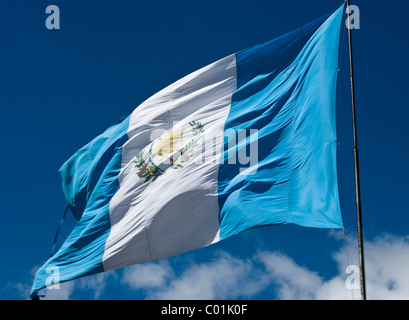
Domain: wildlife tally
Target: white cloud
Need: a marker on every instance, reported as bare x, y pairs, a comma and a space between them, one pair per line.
93, 285
147, 275
227, 277
292, 281
272, 274
386, 265
96, 283
222, 278
386, 261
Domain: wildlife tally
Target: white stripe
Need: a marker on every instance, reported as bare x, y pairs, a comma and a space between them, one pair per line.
178, 211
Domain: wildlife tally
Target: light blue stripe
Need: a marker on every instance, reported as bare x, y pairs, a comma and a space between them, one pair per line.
286, 90
89, 183
81, 172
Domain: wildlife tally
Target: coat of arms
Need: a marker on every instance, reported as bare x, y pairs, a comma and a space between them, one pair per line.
167, 152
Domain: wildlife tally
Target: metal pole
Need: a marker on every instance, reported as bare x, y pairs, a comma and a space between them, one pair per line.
356, 163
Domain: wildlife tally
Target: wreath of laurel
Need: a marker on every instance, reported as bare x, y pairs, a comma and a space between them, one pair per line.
146, 170
197, 130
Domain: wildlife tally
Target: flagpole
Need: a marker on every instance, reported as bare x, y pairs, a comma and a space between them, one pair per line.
356, 164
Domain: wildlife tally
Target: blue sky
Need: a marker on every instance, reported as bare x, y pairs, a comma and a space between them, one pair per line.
61, 88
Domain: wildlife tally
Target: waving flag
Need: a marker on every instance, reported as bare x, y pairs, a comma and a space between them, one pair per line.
244, 142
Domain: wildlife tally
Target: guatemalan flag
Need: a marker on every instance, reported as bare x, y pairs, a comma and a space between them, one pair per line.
247, 141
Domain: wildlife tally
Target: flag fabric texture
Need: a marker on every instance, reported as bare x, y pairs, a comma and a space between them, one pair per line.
247, 141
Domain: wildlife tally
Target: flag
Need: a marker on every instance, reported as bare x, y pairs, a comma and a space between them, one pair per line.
247, 141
